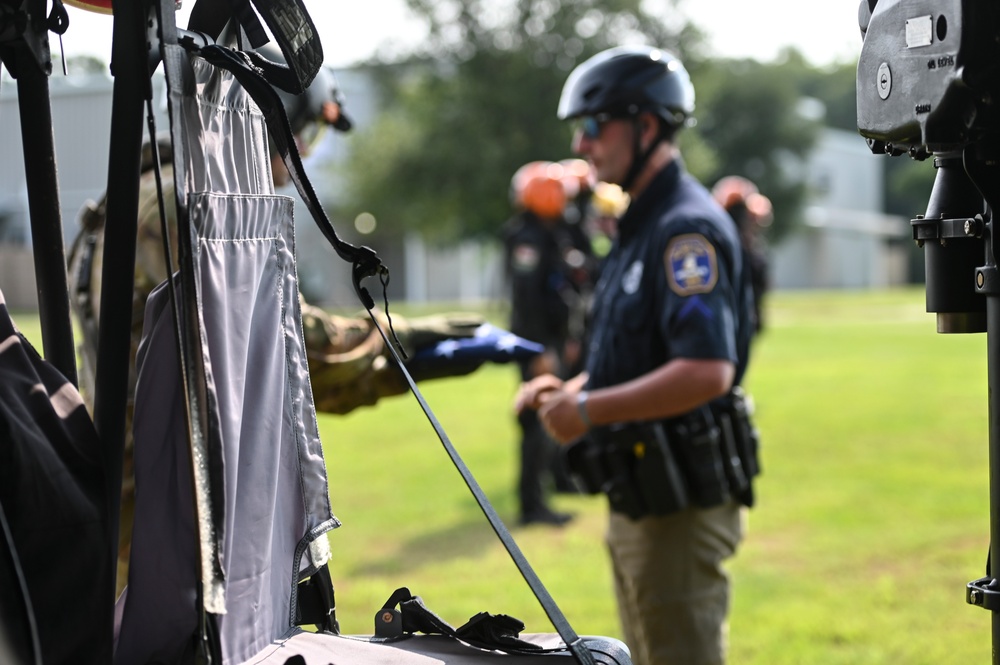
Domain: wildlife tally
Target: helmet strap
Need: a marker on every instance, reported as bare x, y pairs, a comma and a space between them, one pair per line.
639, 156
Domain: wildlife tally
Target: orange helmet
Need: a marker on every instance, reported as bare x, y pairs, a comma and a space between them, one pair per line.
759, 206
538, 187
734, 190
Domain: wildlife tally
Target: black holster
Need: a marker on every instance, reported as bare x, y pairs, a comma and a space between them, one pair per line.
734, 413
703, 458
701, 453
634, 465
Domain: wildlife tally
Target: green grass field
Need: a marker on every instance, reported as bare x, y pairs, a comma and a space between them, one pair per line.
872, 510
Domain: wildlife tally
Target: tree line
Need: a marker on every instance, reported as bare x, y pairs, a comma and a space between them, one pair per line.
478, 99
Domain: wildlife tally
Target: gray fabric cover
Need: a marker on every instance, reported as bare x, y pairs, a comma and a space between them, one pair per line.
317, 649
276, 497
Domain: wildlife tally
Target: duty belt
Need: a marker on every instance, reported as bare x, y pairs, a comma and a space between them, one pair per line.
703, 458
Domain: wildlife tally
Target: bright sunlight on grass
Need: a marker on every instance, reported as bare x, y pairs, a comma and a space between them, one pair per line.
873, 508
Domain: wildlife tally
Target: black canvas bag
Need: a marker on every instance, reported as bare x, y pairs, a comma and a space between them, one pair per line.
52, 495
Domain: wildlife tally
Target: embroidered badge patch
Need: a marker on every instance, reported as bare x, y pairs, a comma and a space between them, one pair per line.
632, 278
691, 265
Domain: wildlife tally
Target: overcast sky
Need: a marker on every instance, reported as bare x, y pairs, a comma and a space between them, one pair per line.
351, 30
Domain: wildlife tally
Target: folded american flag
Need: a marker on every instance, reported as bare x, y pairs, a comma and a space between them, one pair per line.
461, 355
488, 343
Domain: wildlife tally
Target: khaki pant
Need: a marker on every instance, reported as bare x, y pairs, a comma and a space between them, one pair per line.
672, 591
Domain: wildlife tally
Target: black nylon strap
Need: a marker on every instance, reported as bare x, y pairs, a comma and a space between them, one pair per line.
493, 632
290, 24
298, 40
244, 13
366, 264
279, 75
558, 619
365, 261
210, 17
496, 631
417, 617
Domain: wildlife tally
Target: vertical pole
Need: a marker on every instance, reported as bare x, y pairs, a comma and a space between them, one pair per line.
982, 169
993, 373
46, 222
131, 74
993, 397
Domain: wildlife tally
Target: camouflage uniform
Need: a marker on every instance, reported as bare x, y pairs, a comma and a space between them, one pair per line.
348, 362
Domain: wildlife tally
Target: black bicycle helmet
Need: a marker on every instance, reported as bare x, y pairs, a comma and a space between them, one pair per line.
626, 80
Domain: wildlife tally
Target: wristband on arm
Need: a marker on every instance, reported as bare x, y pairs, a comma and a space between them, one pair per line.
581, 407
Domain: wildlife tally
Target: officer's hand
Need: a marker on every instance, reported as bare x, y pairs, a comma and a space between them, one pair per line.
544, 363
529, 395
572, 350
560, 416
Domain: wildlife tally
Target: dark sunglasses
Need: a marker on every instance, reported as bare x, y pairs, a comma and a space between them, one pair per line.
591, 125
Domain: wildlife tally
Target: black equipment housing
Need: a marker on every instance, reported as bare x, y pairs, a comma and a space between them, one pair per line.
927, 86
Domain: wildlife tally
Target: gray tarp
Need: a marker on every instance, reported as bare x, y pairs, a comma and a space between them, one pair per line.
276, 497
318, 649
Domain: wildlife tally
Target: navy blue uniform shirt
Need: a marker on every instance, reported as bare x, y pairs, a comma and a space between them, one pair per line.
673, 285
550, 267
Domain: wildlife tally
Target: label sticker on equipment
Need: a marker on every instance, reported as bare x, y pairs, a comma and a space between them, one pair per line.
919, 31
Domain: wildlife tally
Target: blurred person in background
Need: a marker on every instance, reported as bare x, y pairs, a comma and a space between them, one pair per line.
548, 265
752, 213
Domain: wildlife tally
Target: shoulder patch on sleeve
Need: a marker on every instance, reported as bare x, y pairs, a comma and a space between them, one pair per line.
691, 264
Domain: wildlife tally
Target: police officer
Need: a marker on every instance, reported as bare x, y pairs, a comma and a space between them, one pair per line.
668, 347
349, 364
548, 263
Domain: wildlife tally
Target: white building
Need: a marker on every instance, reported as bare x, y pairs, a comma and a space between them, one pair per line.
81, 126
845, 242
